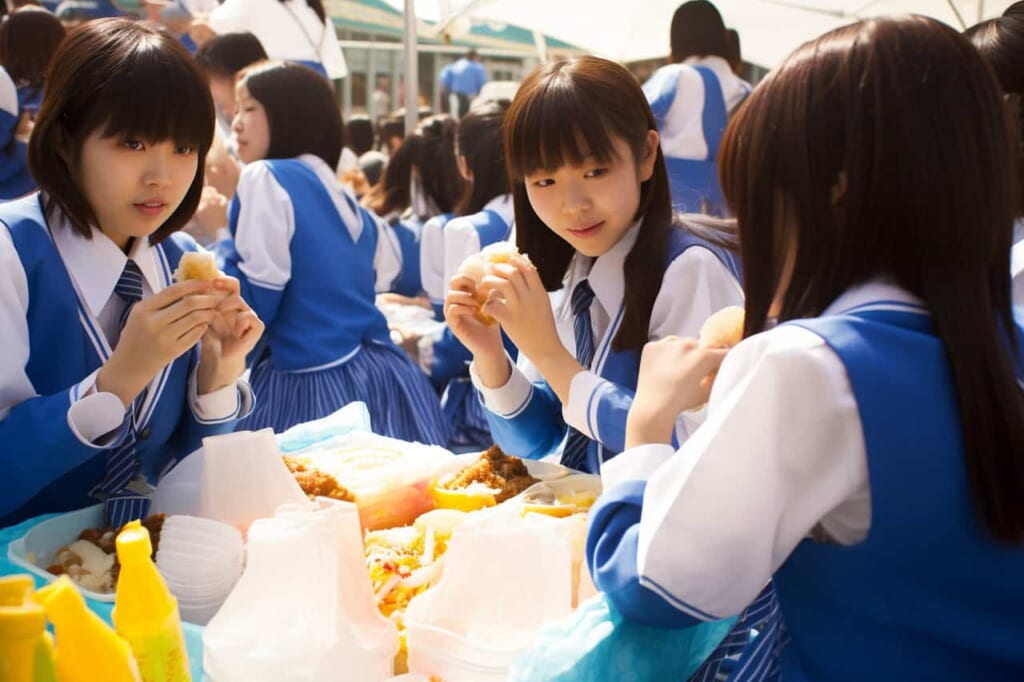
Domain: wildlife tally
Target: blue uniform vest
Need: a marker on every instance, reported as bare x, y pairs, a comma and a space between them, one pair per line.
63, 354
927, 595
326, 310
694, 182
538, 429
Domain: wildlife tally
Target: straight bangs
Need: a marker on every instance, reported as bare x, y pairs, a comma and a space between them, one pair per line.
140, 104
562, 125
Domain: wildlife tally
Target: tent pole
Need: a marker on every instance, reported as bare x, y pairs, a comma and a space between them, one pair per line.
412, 71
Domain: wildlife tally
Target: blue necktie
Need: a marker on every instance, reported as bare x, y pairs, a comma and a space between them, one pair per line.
120, 504
574, 455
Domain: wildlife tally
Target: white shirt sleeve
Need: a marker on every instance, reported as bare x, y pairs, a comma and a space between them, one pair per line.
781, 452
388, 257
461, 241
432, 260
331, 55
266, 224
228, 18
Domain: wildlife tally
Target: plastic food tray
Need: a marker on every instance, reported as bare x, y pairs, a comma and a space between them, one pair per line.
41, 542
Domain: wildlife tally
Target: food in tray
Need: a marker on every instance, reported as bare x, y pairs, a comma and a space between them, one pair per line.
563, 497
491, 479
91, 560
387, 479
479, 265
317, 483
197, 265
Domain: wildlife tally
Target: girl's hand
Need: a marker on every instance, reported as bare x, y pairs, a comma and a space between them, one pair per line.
231, 336
212, 212
482, 340
675, 376
158, 331
520, 304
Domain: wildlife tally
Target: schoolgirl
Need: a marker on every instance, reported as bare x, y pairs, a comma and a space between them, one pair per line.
111, 372
593, 213
691, 99
310, 260
484, 216
866, 454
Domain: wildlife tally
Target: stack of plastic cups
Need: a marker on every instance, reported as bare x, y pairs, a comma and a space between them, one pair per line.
201, 561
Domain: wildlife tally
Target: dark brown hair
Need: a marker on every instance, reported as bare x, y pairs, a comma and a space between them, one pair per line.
479, 140
698, 31
118, 77
391, 194
1001, 42
302, 113
223, 56
433, 156
28, 41
869, 109
564, 112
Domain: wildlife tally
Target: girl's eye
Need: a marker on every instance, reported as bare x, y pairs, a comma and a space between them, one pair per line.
543, 182
134, 145
184, 149
596, 173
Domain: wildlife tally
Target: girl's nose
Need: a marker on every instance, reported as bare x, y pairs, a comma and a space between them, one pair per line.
575, 199
157, 170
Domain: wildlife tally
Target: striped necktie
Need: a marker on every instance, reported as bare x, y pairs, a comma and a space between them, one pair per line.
121, 505
574, 454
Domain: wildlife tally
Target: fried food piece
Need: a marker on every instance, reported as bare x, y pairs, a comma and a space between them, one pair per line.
496, 470
316, 483
197, 265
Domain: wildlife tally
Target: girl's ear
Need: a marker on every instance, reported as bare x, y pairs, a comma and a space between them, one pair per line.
650, 155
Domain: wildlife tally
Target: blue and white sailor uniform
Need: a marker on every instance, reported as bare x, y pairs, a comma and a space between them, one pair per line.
432, 269
310, 261
691, 102
442, 356
61, 318
864, 517
405, 236
15, 180
525, 415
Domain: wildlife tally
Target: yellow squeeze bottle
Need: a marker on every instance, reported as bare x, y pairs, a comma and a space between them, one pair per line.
26, 648
145, 611
87, 649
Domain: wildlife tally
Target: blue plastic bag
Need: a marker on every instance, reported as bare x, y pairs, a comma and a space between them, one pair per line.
352, 417
597, 644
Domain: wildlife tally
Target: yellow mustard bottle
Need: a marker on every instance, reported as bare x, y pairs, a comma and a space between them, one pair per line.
87, 648
145, 611
22, 627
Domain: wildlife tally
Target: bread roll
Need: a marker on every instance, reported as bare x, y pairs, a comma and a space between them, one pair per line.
724, 329
197, 265
479, 265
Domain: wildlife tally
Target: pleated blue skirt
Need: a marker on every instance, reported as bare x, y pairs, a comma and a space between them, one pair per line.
400, 399
465, 416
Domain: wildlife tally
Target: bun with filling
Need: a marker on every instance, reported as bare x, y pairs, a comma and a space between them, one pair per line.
197, 265
479, 265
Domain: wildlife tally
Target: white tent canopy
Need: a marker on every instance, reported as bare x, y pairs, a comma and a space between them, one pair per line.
630, 30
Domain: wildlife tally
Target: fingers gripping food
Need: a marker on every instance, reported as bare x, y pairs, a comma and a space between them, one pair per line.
197, 265
479, 265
